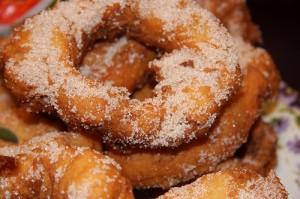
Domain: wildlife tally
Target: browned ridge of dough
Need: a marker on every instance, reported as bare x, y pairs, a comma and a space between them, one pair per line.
230, 184
258, 154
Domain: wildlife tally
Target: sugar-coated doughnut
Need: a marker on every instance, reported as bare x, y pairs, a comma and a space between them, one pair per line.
196, 76
51, 166
165, 168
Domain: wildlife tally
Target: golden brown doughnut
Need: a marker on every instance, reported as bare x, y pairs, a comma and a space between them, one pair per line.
50, 166
165, 168
231, 184
196, 77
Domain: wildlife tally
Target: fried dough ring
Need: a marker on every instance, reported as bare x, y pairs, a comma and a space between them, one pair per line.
196, 78
230, 184
51, 166
259, 153
165, 168
116, 57
236, 17
121, 63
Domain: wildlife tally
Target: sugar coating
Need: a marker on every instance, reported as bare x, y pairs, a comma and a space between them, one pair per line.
53, 156
261, 187
236, 17
103, 59
247, 52
233, 184
48, 70
95, 71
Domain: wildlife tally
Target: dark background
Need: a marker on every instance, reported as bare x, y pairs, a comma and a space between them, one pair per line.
279, 21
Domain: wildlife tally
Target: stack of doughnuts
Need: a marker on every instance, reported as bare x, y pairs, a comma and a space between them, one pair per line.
138, 94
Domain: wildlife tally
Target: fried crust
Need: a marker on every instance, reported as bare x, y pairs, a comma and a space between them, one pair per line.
233, 184
52, 166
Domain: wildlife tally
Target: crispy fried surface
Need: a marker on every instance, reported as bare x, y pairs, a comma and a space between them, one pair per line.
230, 184
258, 154
52, 166
16, 118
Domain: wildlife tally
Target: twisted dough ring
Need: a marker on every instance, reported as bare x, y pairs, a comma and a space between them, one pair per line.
196, 77
163, 168
54, 166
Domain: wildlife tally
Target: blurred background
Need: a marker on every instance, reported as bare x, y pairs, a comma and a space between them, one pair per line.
279, 21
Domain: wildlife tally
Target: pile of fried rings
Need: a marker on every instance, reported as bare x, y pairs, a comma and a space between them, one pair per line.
110, 96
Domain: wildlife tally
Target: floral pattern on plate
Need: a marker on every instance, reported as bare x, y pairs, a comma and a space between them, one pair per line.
286, 121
